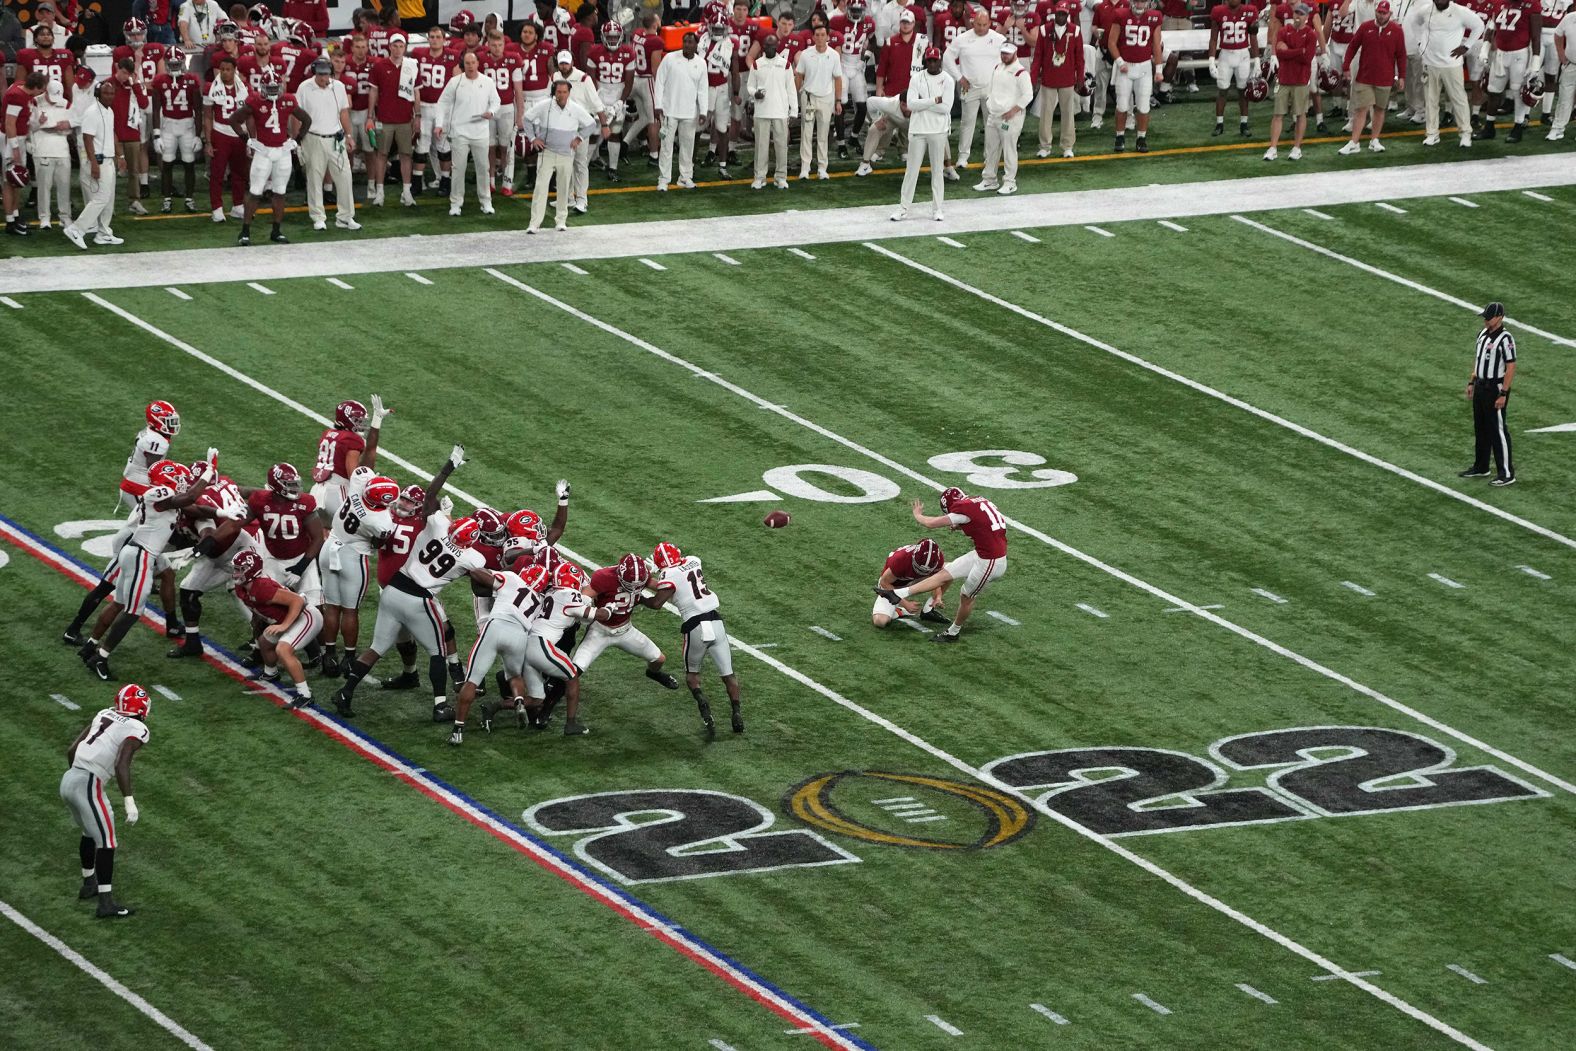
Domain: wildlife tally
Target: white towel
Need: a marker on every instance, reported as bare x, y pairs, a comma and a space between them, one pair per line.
407, 79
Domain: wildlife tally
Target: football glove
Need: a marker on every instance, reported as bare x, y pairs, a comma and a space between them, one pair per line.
457, 457
233, 514
446, 505
562, 489
131, 810
378, 411
1214, 68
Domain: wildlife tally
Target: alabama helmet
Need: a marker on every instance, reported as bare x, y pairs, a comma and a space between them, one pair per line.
351, 416
301, 34
380, 493
462, 18
951, 495
927, 556
856, 10
1330, 80
135, 30
1532, 91
271, 83
18, 175
464, 531
284, 480
411, 498
632, 572
666, 556
490, 524
247, 566
204, 472
1257, 89
163, 418
536, 578
612, 33
134, 701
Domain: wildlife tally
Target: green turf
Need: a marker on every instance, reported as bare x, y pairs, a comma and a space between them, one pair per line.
293, 892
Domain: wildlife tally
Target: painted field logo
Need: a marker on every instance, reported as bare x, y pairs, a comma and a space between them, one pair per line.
909, 810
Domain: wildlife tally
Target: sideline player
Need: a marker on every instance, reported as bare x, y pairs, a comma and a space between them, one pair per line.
978, 519
682, 583
617, 589
904, 567
104, 749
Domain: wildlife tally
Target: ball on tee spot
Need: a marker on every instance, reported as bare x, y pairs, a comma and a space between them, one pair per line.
776, 520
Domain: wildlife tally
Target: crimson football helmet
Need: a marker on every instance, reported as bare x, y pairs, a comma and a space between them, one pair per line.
260, 14
227, 30
462, 18
927, 556
632, 572
524, 145
247, 566
301, 34
490, 524
163, 418
381, 493
1330, 80
666, 556
135, 30
203, 472
612, 33
1532, 91
17, 175
856, 11
284, 480
536, 578
522, 522
351, 416
411, 498
716, 13
568, 575
134, 701
951, 495
271, 83
464, 531
1257, 89
172, 475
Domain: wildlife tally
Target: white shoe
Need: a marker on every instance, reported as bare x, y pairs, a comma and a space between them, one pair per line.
1271, 153
346, 224
579, 207
238, 212
407, 199
218, 215
963, 164
936, 215
758, 184
1295, 154
44, 225
1067, 153
136, 208
1007, 189
1349, 149
75, 237
951, 174
533, 229
1466, 141
377, 198
1431, 140
662, 187
454, 209
1418, 118
1095, 121
686, 184
1348, 125
488, 209
899, 215
105, 237
822, 174
804, 172
191, 205
1043, 151
781, 184
984, 186
1375, 146
1555, 136
861, 171
320, 224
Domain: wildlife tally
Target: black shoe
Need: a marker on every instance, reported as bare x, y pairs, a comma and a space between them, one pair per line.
612, 175
663, 679
704, 707
944, 636
1220, 129
297, 701
86, 651
1143, 144
342, 704
738, 719
1244, 130
330, 197
1487, 131
651, 162
405, 680
1477, 121
1323, 128
174, 629
110, 910
1504, 481
331, 665
71, 636
417, 187
575, 728
89, 889
930, 616
1474, 472
444, 185
251, 657
191, 647
244, 240
1546, 120
1121, 144
842, 151
1516, 133
278, 238
888, 594
443, 713
99, 666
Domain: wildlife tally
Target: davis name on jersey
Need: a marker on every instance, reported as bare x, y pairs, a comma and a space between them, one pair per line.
435, 558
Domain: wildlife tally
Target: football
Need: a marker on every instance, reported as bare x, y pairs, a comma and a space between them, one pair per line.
776, 520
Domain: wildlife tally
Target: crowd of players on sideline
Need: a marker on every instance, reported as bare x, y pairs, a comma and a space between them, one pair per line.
229, 93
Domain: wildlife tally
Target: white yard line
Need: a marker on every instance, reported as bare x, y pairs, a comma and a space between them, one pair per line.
258, 287
1279, 421
1048, 1013
1534, 573
1003, 618
721, 1045
1028, 530
1157, 1008
1463, 202
1562, 960
573, 269
910, 622
166, 692
98, 974
1536, 196
1317, 214
1190, 609
8, 301
1093, 612
418, 278
1357, 588
825, 634
802, 254
1269, 595
1265, 997
1098, 230
1331, 977
943, 1025
1387, 206
1398, 279
178, 294
722, 258
731, 233
1468, 975
1020, 235
337, 283
951, 243
1446, 581
652, 263
65, 702
1169, 225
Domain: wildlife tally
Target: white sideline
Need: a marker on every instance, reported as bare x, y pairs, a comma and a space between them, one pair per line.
1331, 969
1397, 278
1234, 402
98, 974
731, 233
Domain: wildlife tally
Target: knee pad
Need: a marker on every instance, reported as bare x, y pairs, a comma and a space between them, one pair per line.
191, 606
444, 155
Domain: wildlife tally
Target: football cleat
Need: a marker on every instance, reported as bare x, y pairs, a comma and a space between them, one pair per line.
443, 713
704, 707
575, 728
945, 636
331, 665
89, 889
737, 718
930, 616
71, 636
111, 910
663, 679
342, 704
457, 737
191, 647
1474, 472
284, 480
405, 680
888, 594
99, 666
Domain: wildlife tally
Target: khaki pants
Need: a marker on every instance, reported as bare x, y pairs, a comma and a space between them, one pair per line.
682, 129
98, 199
1002, 146
886, 120
473, 153
320, 155
550, 165
935, 144
1066, 99
973, 106
580, 181
1567, 96
1448, 81
54, 187
815, 125
771, 133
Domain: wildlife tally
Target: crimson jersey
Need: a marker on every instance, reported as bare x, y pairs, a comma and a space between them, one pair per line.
648, 51
273, 117
261, 597
176, 98
362, 72
282, 522
608, 65
1234, 26
901, 563
1513, 25
721, 59
395, 548
58, 65
149, 59
1020, 28
226, 99
1342, 27
604, 582
503, 69
251, 69
1135, 38
18, 103
333, 453
794, 44
296, 61
536, 69
377, 41
984, 524
432, 74
949, 29
858, 37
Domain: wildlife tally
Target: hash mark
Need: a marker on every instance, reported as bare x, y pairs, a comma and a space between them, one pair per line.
911, 805
1536, 196
720, 1045
8, 301
802, 254
949, 242
65, 702
1562, 960
825, 634
166, 692
1446, 581
1468, 975
1317, 214
721, 258
1159, 1009
178, 294
1169, 225
1348, 974
337, 283
1534, 573
264, 289
418, 278
573, 269
1463, 202
1020, 235
766, 645
1269, 595
1093, 612
1189, 609
1048, 1013
910, 622
1266, 997
652, 263
1098, 230
1003, 618
943, 1025
1357, 588
1390, 208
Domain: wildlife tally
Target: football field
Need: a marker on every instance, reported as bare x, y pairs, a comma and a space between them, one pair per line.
1263, 740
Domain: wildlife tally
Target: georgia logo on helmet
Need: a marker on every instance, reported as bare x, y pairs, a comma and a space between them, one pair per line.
284, 480
632, 572
134, 701
612, 33
247, 566
523, 521
491, 525
951, 495
380, 493
171, 475
536, 578
568, 575
464, 531
351, 416
927, 556
271, 83
411, 498
666, 556
163, 418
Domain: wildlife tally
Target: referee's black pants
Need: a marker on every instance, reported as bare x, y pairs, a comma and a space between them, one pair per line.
1490, 430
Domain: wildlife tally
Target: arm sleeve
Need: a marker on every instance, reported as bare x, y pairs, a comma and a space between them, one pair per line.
957, 520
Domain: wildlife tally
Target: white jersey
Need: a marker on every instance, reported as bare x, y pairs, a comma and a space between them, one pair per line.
435, 559
101, 747
691, 596
356, 525
561, 607
513, 601
150, 444
151, 529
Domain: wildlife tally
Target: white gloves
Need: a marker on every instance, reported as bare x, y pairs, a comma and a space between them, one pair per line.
131, 811
1272, 64
213, 456
446, 505
1214, 68
233, 514
562, 489
378, 411
457, 457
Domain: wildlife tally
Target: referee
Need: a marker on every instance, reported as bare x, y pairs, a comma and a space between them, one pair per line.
1493, 371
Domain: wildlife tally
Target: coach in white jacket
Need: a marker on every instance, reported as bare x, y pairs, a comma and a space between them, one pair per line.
1448, 32
970, 58
465, 112
679, 101
771, 84
929, 105
558, 126
582, 89
1010, 90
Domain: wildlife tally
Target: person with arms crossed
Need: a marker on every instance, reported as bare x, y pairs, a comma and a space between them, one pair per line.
1295, 47
679, 101
52, 157
928, 106
978, 519
1493, 372
105, 748
557, 127
1379, 49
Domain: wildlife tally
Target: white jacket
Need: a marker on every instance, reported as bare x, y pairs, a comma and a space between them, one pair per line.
1010, 86
582, 89
773, 76
971, 56
463, 105
680, 88
927, 116
1444, 31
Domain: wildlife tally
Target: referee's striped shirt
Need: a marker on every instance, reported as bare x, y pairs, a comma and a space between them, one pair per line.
1495, 350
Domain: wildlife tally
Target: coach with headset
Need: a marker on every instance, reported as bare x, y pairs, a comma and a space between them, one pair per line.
1493, 371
